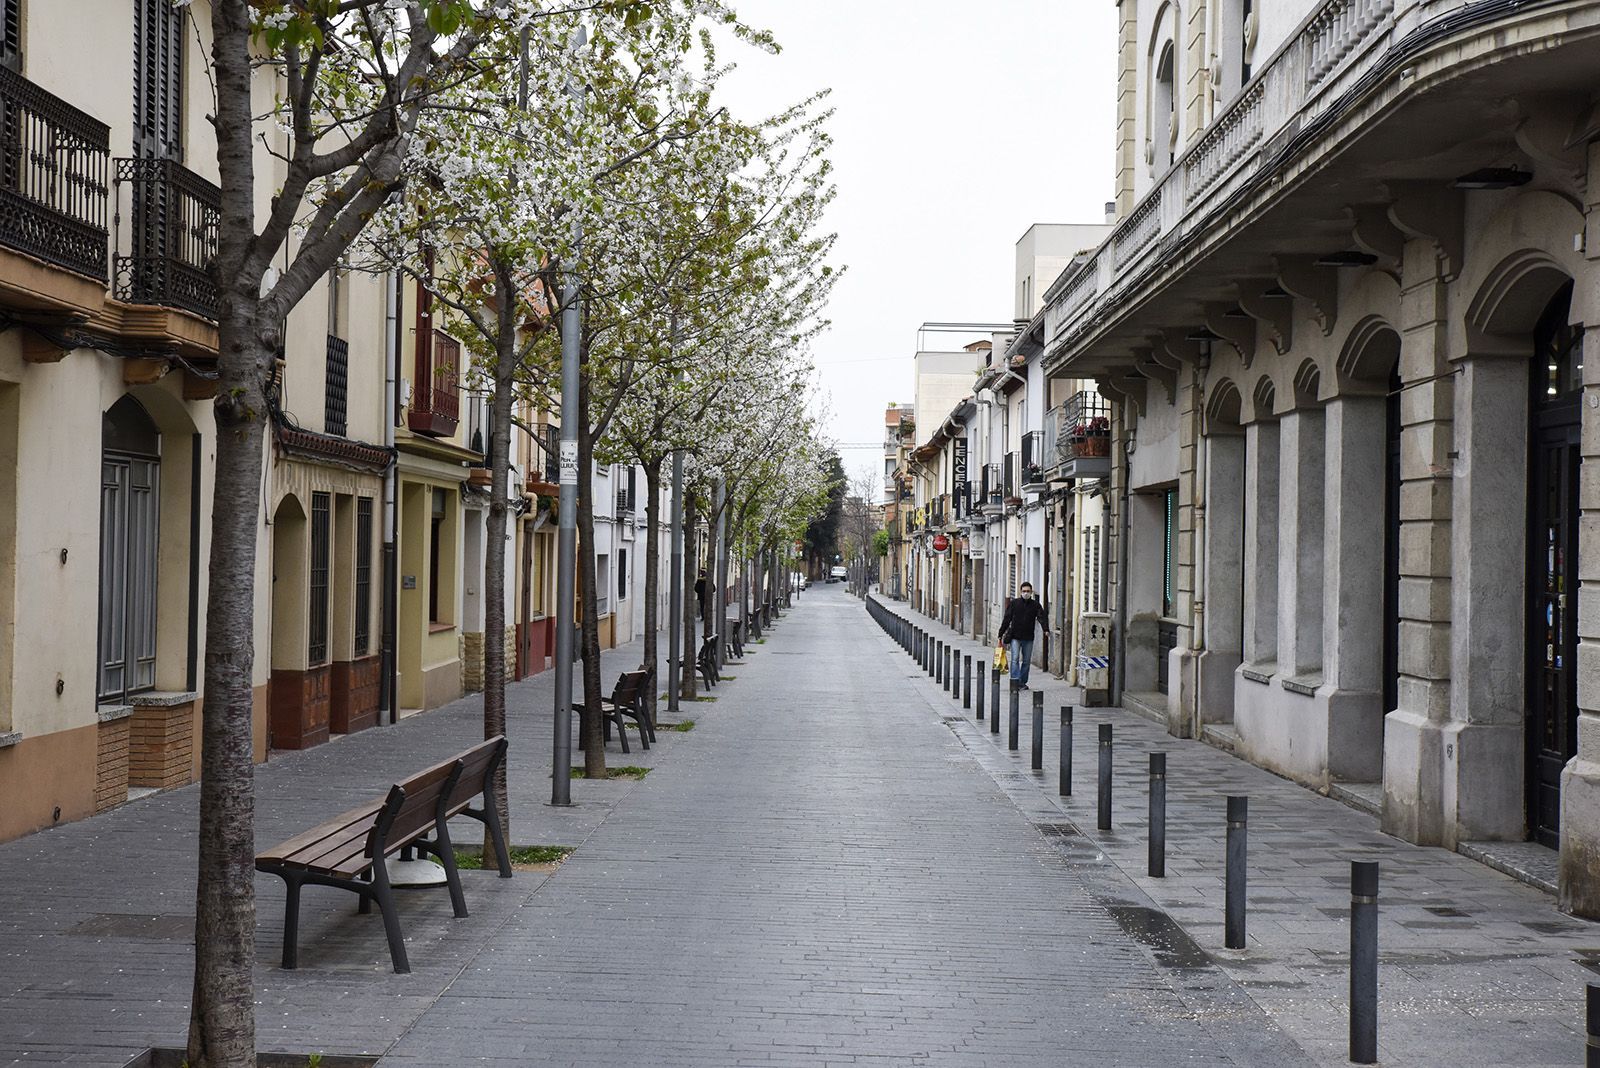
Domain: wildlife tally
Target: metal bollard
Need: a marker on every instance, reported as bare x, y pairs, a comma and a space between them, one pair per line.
1016, 718
980, 689
938, 662
1233, 906
1158, 815
1066, 751
1104, 822
1364, 967
1038, 730
1592, 1018
933, 658
952, 661
966, 680
994, 701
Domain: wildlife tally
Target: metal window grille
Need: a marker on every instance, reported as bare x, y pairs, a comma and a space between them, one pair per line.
552, 453
11, 35
622, 575
363, 620
336, 394
317, 648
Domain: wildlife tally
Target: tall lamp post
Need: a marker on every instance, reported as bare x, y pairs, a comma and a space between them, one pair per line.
567, 530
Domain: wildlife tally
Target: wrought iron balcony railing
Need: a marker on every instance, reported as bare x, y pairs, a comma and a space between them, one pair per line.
1083, 436
624, 502
1033, 461
174, 216
54, 164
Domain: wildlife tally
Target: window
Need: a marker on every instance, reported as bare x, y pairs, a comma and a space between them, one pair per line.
317, 644
1163, 111
129, 507
157, 78
11, 35
1169, 552
622, 572
602, 584
363, 620
435, 536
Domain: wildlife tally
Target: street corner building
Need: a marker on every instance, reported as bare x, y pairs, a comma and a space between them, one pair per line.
371, 543
1341, 321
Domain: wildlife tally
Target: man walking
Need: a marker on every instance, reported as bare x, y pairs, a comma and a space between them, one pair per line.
1021, 615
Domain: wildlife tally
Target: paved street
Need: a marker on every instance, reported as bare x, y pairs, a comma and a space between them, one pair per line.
834, 866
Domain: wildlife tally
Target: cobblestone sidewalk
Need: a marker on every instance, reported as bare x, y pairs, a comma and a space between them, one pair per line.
1475, 968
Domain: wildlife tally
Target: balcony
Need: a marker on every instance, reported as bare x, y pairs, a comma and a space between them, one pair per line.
54, 164
1344, 51
1083, 437
993, 490
174, 217
436, 397
624, 502
1034, 479
1008, 485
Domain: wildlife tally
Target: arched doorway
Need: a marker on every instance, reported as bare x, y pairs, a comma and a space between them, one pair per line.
1554, 461
130, 472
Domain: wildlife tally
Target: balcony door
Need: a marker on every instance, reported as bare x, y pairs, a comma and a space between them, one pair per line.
130, 470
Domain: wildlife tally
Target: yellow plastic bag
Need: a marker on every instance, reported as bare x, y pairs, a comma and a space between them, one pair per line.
1000, 658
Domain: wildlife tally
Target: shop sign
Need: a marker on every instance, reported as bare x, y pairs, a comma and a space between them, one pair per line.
941, 543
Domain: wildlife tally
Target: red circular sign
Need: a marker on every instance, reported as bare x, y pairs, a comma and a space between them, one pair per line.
941, 543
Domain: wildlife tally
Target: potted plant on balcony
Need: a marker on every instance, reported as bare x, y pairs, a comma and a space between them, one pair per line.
1092, 438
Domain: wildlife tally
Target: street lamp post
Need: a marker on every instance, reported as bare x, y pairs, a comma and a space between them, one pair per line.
567, 530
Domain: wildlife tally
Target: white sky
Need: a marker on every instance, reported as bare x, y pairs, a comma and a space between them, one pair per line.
958, 125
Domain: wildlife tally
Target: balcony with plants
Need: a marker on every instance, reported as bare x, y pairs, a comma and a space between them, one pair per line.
1083, 436
993, 490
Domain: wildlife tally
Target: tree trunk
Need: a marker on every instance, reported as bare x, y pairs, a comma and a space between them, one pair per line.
222, 1012
494, 557
652, 578
591, 726
686, 674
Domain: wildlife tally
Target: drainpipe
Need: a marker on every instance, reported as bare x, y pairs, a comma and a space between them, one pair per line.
388, 661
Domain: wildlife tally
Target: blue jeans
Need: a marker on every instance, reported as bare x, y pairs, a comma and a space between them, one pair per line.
1020, 652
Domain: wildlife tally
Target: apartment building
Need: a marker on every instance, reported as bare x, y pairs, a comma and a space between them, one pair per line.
373, 523
1342, 319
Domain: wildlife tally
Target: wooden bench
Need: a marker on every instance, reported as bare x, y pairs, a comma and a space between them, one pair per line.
627, 702
350, 851
707, 662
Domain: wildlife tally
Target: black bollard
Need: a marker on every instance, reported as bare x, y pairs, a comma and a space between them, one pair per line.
994, 701
933, 658
1233, 906
1105, 778
1038, 730
1158, 815
966, 680
1016, 719
952, 660
980, 690
1066, 751
1592, 1018
1364, 966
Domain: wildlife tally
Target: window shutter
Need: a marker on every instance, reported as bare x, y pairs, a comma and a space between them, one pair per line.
11, 35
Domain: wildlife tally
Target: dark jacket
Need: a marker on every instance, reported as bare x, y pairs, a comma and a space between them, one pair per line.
1019, 619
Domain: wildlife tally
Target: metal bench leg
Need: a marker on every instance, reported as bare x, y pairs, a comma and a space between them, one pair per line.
364, 905
491, 820
622, 733
446, 852
291, 923
391, 918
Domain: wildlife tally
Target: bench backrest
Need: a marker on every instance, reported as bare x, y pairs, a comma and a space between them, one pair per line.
629, 685
477, 765
412, 807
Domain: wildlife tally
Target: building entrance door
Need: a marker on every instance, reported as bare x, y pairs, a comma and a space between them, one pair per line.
1554, 458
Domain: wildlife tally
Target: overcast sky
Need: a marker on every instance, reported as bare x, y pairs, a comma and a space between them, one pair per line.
958, 125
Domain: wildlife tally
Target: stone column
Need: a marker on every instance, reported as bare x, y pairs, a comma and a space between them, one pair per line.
1182, 660
1223, 550
1482, 775
1261, 547
1352, 608
1412, 748
1300, 528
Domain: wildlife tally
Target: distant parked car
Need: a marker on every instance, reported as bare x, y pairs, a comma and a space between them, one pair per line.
839, 573
797, 580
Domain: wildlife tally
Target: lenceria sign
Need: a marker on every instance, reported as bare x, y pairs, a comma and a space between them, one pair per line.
941, 543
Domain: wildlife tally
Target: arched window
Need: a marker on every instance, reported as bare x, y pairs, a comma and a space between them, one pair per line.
1164, 110
130, 467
